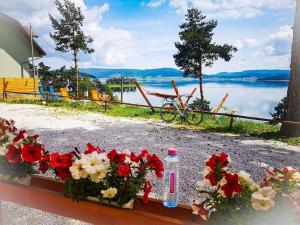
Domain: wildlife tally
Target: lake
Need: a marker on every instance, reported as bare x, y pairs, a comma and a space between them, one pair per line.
256, 99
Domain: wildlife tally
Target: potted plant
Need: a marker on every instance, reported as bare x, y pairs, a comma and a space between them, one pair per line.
235, 199
20, 153
113, 178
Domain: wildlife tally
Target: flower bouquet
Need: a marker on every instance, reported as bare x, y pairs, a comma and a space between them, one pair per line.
20, 153
235, 199
114, 178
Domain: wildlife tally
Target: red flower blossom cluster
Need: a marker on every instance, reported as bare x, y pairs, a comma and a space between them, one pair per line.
147, 189
230, 185
61, 164
155, 163
91, 148
20, 149
7, 126
216, 167
25, 149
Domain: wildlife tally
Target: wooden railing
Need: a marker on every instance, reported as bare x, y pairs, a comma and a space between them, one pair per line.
44, 194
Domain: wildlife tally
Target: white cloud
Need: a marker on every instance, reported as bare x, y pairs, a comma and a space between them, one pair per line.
231, 9
247, 43
280, 42
154, 3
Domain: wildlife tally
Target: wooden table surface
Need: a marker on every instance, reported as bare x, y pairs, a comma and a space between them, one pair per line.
44, 194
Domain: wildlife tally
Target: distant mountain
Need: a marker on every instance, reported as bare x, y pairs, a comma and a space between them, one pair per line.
249, 75
254, 75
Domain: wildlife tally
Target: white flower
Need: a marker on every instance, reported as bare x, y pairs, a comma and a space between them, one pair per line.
109, 193
246, 181
95, 162
263, 199
264, 192
262, 204
99, 175
77, 170
3, 150
295, 177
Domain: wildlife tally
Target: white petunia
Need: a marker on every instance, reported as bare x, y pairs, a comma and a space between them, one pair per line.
246, 181
77, 170
3, 150
109, 193
295, 177
262, 204
262, 199
95, 162
264, 192
99, 175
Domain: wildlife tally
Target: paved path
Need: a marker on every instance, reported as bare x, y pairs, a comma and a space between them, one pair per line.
62, 130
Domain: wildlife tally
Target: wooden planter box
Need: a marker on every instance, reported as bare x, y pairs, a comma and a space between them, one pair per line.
45, 194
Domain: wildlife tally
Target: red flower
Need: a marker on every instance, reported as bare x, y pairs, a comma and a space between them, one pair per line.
288, 170
63, 173
64, 160
230, 185
134, 158
143, 154
112, 155
218, 162
155, 163
14, 154
44, 163
91, 149
115, 157
147, 189
22, 134
124, 170
211, 179
31, 153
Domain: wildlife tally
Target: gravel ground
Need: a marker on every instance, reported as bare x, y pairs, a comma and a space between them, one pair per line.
14, 214
62, 130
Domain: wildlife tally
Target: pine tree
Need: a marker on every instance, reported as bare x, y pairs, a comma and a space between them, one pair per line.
196, 47
68, 35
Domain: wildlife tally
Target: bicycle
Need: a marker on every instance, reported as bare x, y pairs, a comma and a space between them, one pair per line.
170, 109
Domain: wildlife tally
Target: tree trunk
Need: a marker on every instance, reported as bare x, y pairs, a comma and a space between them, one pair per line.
76, 73
291, 128
201, 85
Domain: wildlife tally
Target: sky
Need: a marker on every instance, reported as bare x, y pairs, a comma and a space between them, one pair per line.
141, 34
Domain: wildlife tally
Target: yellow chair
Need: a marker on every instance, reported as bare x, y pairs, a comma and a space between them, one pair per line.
100, 99
65, 95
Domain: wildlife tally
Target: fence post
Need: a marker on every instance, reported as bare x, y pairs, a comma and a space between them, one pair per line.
177, 93
144, 96
122, 82
231, 122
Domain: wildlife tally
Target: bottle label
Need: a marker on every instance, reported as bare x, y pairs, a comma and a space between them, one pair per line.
172, 182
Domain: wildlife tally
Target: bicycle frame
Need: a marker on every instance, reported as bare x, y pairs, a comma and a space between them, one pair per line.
175, 103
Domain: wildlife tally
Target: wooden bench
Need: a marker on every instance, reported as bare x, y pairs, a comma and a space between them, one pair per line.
44, 194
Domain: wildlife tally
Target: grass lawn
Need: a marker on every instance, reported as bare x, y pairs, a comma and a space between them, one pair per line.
219, 124
119, 85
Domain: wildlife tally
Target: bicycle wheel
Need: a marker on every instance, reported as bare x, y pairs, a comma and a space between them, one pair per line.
168, 112
192, 116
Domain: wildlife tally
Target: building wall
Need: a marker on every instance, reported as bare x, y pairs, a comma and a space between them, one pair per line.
17, 49
9, 67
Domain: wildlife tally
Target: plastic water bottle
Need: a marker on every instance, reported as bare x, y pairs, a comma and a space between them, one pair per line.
171, 179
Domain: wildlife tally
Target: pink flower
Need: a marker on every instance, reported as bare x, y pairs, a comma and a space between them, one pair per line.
199, 210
